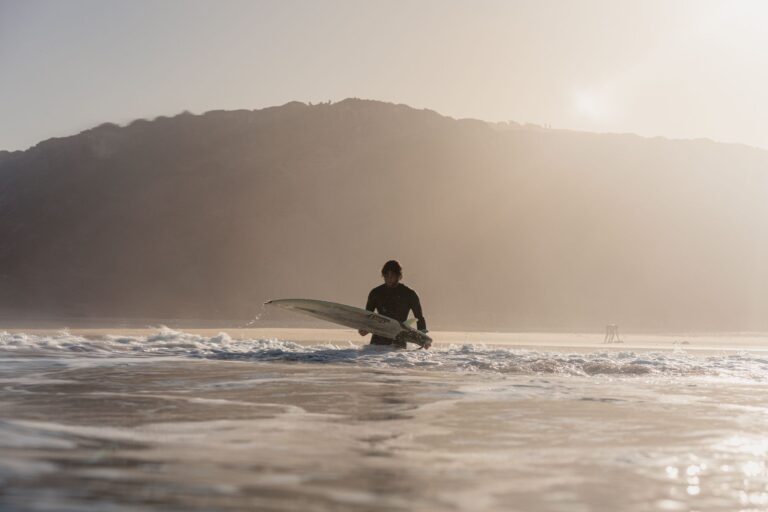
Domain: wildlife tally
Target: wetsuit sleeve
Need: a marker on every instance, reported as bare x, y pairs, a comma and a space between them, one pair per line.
421, 324
370, 305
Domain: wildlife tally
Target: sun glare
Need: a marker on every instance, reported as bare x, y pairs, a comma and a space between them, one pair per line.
587, 104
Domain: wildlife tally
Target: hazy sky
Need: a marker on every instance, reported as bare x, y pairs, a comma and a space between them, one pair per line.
679, 69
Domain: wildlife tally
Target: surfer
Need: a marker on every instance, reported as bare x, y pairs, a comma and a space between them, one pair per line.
395, 300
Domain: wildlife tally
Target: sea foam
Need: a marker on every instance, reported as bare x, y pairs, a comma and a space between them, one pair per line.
462, 358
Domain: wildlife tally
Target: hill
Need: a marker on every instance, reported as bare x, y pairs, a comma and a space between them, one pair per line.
498, 227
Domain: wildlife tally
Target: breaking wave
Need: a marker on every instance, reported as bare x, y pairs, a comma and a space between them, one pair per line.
462, 358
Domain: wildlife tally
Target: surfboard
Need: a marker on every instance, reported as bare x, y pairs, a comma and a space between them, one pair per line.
356, 318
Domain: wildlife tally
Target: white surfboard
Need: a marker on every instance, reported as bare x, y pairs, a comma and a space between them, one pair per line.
356, 318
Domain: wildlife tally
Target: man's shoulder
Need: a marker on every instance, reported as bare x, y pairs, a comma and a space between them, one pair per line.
407, 289
379, 288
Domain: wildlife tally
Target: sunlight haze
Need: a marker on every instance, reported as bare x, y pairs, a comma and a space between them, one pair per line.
383, 255
678, 69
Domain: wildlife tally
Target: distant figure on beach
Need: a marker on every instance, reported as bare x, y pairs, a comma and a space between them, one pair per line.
395, 300
612, 334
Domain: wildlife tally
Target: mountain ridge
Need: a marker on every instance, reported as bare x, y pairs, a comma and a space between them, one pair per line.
511, 125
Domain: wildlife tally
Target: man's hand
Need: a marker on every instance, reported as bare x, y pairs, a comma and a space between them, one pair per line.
362, 332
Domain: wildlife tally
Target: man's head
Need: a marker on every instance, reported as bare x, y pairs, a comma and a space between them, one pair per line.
392, 272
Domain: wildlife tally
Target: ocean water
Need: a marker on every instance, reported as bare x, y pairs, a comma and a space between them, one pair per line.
178, 421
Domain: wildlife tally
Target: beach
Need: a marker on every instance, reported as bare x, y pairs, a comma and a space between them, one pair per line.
310, 419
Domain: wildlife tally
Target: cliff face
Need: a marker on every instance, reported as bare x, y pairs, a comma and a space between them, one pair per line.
512, 227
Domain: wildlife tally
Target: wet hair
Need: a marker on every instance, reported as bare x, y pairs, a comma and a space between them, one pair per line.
392, 266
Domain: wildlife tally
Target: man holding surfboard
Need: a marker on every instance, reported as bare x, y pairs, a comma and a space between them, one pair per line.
394, 300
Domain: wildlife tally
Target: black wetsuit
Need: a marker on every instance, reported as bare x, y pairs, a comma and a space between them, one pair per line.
395, 303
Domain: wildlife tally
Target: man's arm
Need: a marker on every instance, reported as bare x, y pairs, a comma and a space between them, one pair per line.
370, 305
421, 324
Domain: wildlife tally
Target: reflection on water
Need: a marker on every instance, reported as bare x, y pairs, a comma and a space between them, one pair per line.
174, 433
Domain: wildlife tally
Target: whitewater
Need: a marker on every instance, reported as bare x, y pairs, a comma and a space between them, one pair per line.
166, 420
